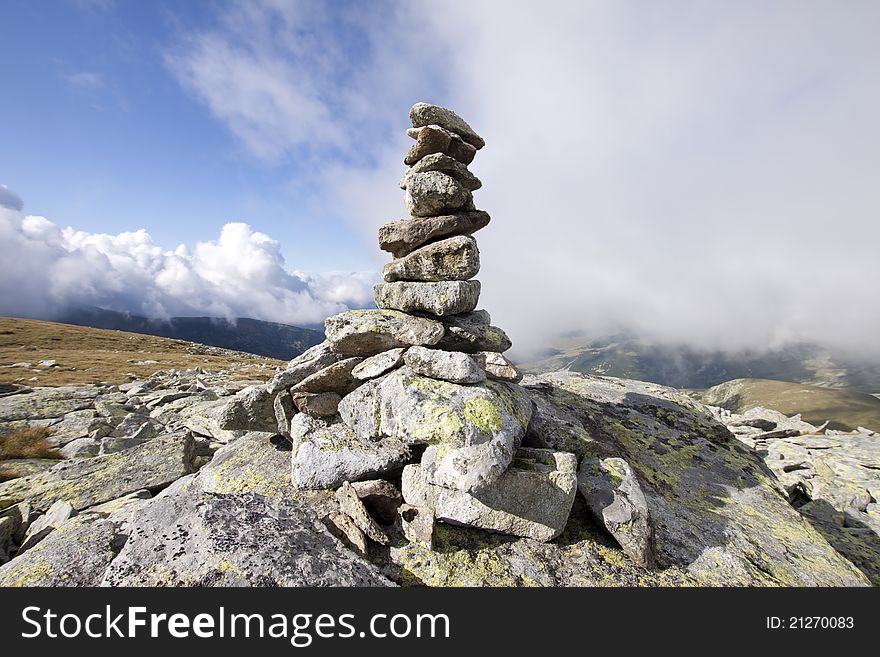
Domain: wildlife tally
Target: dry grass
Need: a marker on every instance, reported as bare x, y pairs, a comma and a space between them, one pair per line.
87, 355
29, 443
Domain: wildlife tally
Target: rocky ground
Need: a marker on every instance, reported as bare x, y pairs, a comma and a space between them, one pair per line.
696, 496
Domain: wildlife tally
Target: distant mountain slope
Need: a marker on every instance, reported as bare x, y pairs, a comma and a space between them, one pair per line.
844, 409
249, 335
682, 367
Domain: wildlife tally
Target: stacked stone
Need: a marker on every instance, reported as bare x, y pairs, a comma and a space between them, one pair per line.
426, 368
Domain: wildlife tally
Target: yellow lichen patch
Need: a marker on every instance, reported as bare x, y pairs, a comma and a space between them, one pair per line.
483, 413
437, 423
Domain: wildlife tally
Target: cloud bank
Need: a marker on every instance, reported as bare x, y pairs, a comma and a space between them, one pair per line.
698, 173
48, 269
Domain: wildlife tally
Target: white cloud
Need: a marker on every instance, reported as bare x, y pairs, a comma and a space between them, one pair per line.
703, 173
48, 269
9, 199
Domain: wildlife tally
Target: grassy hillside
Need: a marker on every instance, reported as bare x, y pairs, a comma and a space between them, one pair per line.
845, 409
88, 355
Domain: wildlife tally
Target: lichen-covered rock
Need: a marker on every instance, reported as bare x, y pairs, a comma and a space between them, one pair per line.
56, 514
532, 498
616, 500
441, 298
716, 508
81, 448
473, 332
450, 366
422, 114
76, 553
310, 361
472, 430
445, 164
405, 236
434, 193
86, 482
377, 365
452, 259
553, 427
333, 378
369, 332
42, 403
15, 468
847, 533
255, 463
497, 366
187, 537
284, 412
252, 409
417, 523
325, 454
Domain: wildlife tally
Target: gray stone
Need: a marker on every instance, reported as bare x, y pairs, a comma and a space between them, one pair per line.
497, 366
42, 403
532, 498
434, 139
254, 463
351, 505
402, 237
417, 523
333, 378
369, 332
45, 524
187, 537
445, 164
616, 500
80, 448
321, 404
377, 365
345, 529
472, 431
75, 425
446, 365
716, 510
86, 482
552, 427
435, 193
284, 412
77, 553
441, 298
16, 468
453, 259
380, 498
422, 114
310, 361
326, 454
473, 332
252, 409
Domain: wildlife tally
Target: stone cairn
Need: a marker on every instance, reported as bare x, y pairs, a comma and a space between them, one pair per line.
419, 388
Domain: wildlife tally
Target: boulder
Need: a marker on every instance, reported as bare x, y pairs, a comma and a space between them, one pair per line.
402, 237
86, 482
422, 114
444, 164
435, 193
446, 365
472, 431
351, 505
532, 498
380, 498
497, 366
552, 427
252, 409
417, 523
15, 468
254, 463
616, 500
321, 404
56, 514
187, 537
325, 454
77, 553
473, 332
345, 529
377, 365
441, 298
284, 412
43, 403
81, 448
453, 259
369, 332
310, 361
716, 509
333, 378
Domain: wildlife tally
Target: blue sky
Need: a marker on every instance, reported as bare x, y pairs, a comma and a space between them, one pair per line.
696, 171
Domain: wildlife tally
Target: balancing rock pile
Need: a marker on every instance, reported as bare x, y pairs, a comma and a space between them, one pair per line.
420, 384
